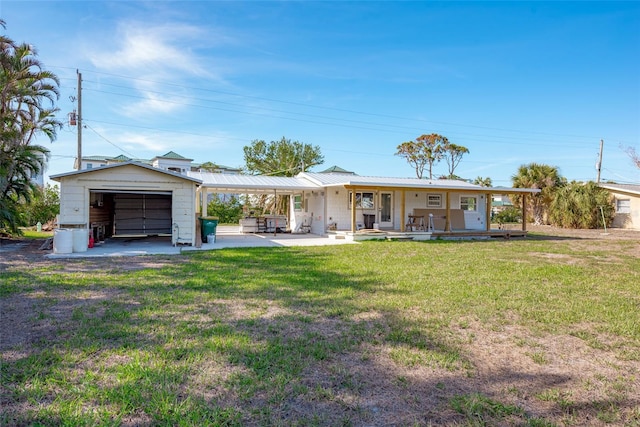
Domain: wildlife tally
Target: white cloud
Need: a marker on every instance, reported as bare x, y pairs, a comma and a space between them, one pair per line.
151, 55
153, 49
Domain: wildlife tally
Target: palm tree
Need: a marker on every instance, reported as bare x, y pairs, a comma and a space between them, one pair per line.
483, 182
582, 205
27, 97
540, 176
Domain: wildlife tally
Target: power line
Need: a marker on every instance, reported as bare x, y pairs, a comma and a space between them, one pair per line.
307, 105
115, 145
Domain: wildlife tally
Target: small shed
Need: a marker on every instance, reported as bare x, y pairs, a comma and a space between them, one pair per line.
129, 199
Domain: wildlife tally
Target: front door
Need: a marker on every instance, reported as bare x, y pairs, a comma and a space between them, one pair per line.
386, 210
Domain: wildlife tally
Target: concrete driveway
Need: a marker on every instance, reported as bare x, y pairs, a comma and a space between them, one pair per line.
226, 237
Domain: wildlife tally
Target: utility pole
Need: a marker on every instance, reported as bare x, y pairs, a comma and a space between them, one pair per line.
599, 164
79, 119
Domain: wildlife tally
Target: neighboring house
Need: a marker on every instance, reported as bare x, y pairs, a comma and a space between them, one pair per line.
626, 199
170, 161
134, 198
500, 202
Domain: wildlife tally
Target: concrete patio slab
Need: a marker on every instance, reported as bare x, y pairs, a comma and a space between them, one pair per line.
226, 237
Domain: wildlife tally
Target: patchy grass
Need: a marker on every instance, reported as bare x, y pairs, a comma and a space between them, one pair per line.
525, 332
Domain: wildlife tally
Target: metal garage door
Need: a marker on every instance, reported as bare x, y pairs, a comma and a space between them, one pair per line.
142, 214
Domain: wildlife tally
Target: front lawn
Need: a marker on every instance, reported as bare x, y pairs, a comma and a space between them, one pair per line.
534, 332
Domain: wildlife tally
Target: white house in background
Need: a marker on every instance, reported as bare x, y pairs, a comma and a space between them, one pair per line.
170, 161
626, 199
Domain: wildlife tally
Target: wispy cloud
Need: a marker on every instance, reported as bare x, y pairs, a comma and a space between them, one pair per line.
155, 54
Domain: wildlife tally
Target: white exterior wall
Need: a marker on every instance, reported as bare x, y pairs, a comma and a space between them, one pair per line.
337, 207
74, 204
632, 219
338, 212
183, 165
74, 195
315, 209
183, 206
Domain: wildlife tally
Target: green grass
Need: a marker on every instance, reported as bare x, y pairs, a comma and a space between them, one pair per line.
30, 233
279, 335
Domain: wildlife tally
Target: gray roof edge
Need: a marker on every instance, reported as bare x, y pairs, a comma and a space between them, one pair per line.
119, 165
623, 188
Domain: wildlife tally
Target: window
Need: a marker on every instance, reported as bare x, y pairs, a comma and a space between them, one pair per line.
468, 203
89, 165
623, 206
434, 200
297, 202
363, 200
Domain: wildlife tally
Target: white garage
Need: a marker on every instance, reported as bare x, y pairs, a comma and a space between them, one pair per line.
129, 199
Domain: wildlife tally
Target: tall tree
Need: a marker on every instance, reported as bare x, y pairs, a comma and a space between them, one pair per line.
452, 154
27, 97
581, 205
544, 177
425, 151
281, 158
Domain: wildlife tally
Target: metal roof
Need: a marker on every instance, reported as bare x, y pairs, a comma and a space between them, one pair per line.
254, 184
334, 180
172, 155
623, 188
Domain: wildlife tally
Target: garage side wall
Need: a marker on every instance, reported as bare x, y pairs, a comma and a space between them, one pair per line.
74, 204
184, 218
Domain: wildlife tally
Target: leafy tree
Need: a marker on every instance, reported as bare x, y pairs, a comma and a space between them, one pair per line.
581, 205
483, 182
27, 97
543, 177
452, 154
281, 158
425, 151
510, 214
43, 207
209, 167
228, 211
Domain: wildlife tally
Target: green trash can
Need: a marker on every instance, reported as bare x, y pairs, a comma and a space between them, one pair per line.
208, 226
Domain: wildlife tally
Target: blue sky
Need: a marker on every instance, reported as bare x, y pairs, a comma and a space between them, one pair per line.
514, 82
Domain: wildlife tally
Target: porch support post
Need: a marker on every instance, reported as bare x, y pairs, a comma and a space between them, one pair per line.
524, 211
275, 215
353, 210
488, 210
205, 196
403, 198
447, 220
197, 200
